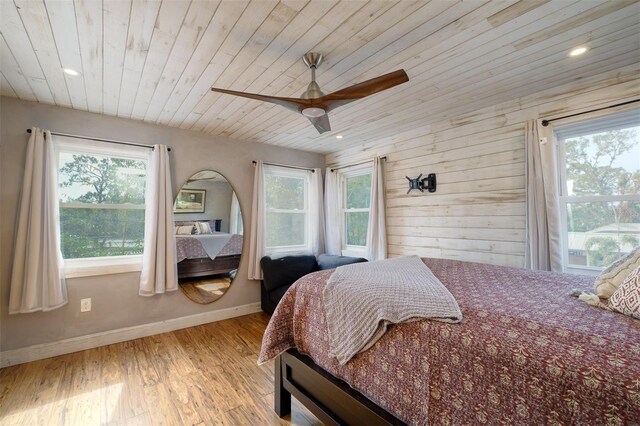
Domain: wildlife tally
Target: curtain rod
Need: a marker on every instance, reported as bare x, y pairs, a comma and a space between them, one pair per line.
287, 166
545, 123
68, 135
355, 164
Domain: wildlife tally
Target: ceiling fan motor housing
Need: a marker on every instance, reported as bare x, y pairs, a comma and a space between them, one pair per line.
312, 60
313, 91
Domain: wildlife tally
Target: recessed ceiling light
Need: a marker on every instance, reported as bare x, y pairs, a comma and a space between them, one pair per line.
338, 136
578, 51
70, 71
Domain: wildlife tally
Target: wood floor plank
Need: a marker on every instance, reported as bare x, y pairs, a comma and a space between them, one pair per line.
110, 369
162, 410
179, 388
16, 403
134, 405
148, 375
46, 396
139, 420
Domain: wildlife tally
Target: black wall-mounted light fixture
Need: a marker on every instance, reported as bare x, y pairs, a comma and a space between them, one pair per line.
428, 183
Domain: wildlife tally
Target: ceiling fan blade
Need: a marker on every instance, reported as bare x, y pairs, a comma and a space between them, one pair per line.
330, 101
364, 89
293, 104
321, 123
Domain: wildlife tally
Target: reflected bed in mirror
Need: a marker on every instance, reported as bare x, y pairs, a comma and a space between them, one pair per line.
209, 236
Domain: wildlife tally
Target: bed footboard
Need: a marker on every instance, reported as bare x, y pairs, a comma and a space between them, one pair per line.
331, 400
192, 268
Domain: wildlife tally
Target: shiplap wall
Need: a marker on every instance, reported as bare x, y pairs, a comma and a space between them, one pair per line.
478, 212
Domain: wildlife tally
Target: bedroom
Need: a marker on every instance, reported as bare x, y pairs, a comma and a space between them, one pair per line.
479, 72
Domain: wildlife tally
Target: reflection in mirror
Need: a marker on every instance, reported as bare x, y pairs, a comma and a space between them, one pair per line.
209, 236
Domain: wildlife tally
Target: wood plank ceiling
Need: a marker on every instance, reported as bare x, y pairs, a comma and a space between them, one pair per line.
156, 60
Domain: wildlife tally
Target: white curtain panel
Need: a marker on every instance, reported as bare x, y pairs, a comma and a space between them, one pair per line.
235, 221
257, 237
159, 260
333, 242
37, 279
543, 249
316, 212
377, 230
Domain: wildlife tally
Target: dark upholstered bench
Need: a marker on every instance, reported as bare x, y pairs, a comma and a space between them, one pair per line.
280, 273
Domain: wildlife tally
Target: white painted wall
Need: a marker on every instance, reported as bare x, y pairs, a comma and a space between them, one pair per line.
116, 303
478, 212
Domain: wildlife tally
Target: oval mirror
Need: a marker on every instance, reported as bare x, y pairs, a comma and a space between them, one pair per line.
209, 236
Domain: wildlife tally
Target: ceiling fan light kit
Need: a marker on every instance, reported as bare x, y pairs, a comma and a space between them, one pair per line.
313, 112
314, 104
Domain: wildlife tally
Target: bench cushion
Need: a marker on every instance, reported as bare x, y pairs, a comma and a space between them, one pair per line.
327, 261
286, 270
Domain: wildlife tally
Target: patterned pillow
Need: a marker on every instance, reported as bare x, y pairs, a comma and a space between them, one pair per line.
184, 229
610, 279
202, 228
626, 299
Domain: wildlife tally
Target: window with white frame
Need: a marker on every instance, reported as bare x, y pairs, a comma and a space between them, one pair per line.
287, 210
355, 205
102, 202
599, 171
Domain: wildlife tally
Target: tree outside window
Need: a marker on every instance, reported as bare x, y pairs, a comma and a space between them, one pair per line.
356, 201
600, 196
286, 203
101, 205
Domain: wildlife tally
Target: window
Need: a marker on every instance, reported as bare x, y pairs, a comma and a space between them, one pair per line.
355, 204
599, 162
287, 204
101, 191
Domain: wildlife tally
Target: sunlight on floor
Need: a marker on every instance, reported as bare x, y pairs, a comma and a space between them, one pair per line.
78, 409
215, 288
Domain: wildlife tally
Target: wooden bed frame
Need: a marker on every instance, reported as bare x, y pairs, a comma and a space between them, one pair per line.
330, 399
190, 268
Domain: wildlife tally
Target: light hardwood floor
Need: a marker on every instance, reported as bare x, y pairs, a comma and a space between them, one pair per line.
205, 375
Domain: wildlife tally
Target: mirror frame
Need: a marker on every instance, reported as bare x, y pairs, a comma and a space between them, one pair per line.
192, 270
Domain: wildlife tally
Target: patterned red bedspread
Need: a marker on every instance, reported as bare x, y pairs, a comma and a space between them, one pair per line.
188, 247
526, 352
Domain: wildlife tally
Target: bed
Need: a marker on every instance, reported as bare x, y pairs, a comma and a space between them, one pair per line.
208, 254
526, 352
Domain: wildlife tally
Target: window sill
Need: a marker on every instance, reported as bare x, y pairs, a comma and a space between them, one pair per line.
354, 251
94, 266
293, 251
582, 271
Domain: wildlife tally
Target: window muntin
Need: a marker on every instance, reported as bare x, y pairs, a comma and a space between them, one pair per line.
286, 210
599, 190
356, 200
101, 195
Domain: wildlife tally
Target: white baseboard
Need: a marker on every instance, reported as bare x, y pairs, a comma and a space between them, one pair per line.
75, 344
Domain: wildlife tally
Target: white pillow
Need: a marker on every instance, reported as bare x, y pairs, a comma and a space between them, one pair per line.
626, 299
610, 279
203, 228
